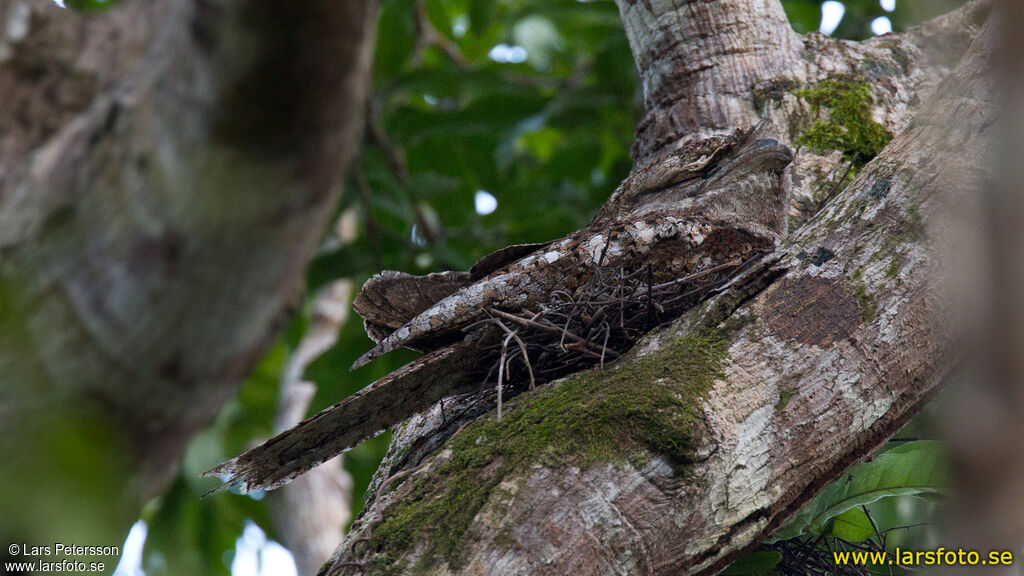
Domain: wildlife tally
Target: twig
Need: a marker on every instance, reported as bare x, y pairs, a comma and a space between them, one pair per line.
395, 158
604, 347
881, 537
501, 370
428, 35
835, 187
547, 328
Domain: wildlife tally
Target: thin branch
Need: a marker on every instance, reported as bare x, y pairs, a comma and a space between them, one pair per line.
428, 35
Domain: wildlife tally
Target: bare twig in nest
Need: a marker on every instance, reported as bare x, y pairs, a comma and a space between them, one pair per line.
604, 347
577, 329
501, 369
522, 347
582, 345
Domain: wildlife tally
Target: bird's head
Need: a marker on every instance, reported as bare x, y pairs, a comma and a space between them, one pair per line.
740, 178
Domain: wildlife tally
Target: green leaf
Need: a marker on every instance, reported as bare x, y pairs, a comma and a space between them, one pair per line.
914, 468
754, 564
396, 37
481, 15
852, 526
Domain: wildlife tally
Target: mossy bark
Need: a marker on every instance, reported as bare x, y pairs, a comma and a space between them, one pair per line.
637, 409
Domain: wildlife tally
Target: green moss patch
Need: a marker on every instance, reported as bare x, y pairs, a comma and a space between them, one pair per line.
785, 395
893, 269
849, 127
865, 300
636, 407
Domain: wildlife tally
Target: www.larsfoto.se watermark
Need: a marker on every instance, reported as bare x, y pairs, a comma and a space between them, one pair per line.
937, 557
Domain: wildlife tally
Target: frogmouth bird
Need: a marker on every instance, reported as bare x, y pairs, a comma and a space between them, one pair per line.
675, 228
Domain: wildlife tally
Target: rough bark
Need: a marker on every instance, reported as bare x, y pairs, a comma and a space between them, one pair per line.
697, 83
166, 170
831, 344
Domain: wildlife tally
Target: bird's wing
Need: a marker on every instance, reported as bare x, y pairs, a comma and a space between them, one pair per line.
406, 391
390, 299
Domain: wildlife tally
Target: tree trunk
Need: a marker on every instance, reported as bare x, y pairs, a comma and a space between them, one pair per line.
744, 408
166, 171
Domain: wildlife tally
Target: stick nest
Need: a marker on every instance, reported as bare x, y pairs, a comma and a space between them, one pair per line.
596, 324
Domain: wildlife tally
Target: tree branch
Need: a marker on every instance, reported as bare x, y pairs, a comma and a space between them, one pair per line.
828, 347
700, 61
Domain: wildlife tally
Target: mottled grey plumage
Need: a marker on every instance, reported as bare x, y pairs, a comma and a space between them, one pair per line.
719, 200
726, 179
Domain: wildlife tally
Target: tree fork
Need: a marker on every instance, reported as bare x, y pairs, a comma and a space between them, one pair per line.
846, 325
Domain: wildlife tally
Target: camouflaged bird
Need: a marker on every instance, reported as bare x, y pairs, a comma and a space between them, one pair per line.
711, 204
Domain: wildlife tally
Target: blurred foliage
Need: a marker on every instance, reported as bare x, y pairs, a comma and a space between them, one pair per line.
90, 5
884, 503
53, 489
805, 15
911, 469
534, 102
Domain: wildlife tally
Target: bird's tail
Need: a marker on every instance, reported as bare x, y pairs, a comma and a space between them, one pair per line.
397, 396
